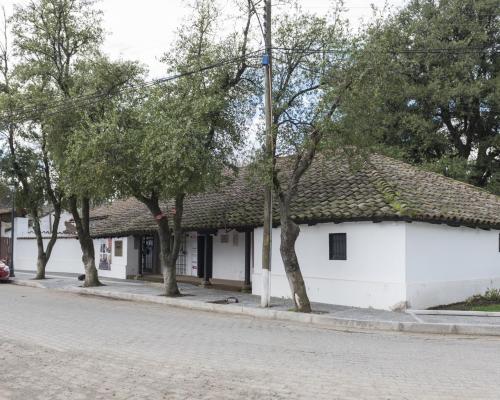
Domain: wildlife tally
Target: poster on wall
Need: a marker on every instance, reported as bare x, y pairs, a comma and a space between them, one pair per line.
105, 254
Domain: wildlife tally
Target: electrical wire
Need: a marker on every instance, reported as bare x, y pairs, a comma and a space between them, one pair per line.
24, 113
53, 108
463, 50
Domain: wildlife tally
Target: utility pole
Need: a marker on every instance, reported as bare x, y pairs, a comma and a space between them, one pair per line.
12, 235
265, 300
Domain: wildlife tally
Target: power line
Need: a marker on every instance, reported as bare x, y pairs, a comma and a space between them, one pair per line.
24, 113
463, 50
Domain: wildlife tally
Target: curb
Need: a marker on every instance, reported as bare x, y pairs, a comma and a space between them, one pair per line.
455, 312
309, 319
32, 284
319, 320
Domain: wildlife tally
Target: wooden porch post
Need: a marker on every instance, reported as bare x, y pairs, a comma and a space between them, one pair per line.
247, 286
206, 281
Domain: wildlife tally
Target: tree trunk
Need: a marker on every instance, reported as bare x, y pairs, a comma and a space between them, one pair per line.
169, 249
88, 258
481, 171
86, 242
44, 254
289, 233
42, 259
167, 262
41, 263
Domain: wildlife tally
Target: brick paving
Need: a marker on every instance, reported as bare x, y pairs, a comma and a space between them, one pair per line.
56, 345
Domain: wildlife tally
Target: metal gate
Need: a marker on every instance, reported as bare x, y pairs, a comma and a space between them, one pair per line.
147, 255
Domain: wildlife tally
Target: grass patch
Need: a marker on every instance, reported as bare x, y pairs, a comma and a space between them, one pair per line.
490, 307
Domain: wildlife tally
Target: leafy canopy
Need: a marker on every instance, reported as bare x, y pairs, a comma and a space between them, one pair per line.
430, 90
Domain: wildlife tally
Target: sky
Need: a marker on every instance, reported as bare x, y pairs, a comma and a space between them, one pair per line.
143, 30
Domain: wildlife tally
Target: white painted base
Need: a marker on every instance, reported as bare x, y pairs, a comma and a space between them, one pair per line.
265, 298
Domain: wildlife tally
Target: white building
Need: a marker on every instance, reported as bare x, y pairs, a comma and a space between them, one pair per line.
386, 235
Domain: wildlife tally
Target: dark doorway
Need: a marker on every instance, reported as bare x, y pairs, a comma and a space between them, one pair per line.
202, 240
147, 255
5, 249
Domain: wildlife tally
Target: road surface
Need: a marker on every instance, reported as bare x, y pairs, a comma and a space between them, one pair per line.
57, 345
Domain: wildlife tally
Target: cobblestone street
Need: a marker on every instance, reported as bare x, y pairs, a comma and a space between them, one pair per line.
63, 346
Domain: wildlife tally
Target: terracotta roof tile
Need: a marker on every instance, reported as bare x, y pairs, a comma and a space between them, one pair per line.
380, 189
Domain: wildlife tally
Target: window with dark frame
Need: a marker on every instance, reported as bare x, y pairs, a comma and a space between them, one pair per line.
338, 246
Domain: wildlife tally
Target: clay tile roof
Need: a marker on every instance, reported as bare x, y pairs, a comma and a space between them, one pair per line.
380, 188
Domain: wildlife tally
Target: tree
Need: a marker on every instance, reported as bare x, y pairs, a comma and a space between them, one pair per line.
431, 94
163, 143
309, 82
52, 38
27, 159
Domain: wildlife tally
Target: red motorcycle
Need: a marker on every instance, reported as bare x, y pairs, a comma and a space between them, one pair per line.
4, 271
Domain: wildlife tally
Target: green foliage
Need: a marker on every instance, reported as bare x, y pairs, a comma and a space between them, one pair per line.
309, 82
57, 42
439, 107
177, 137
491, 296
21, 145
51, 35
5, 192
91, 152
306, 79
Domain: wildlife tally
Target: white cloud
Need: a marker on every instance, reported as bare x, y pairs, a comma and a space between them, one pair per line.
143, 30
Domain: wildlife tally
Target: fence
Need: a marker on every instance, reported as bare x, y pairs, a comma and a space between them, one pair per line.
4, 248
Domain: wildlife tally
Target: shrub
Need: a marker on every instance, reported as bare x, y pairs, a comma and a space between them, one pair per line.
490, 296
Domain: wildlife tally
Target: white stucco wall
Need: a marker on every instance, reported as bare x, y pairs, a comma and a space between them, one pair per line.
448, 264
23, 230
372, 276
21, 227
66, 256
387, 264
121, 266
47, 221
133, 249
229, 257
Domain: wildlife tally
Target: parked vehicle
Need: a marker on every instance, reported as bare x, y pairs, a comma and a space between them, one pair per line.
4, 271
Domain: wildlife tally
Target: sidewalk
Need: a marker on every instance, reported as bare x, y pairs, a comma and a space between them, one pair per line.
325, 315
